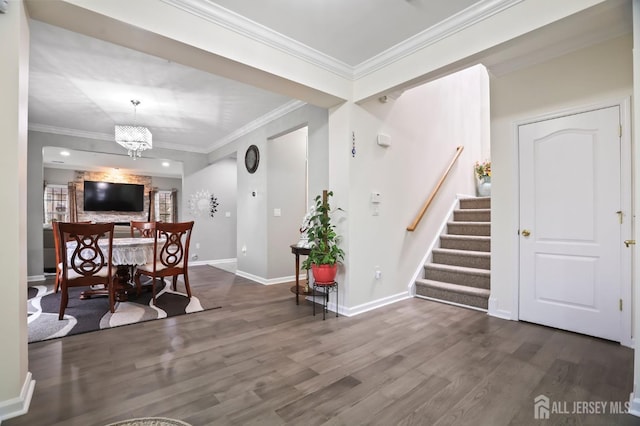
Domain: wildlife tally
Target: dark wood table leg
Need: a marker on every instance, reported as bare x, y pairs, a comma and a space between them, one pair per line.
121, 283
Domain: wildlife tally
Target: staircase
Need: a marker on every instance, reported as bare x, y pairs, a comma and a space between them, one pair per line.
459, 272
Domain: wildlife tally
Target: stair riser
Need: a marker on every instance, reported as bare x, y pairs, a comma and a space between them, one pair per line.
469, 229
457, 277
455, 259
475, 203
450, 296
472, 216
469, 244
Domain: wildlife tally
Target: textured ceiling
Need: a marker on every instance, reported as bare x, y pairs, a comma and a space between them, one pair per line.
84, 84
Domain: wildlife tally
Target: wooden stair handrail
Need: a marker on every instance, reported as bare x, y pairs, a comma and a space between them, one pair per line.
426, 204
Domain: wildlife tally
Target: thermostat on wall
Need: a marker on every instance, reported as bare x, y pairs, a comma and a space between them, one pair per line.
384, 140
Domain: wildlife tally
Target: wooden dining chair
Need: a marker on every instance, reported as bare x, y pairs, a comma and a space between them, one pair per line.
142, 229
89, 262
59, 252
171, 254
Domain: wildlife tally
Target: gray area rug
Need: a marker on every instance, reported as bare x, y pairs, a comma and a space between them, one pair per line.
82, 316
150, 421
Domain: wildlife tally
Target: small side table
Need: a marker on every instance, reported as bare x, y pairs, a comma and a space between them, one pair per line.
297, 251
326, 289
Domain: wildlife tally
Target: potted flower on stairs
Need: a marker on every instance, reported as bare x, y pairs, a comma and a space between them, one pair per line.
483, 173
325, 254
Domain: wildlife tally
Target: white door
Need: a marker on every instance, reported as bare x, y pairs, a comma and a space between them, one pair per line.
570, 232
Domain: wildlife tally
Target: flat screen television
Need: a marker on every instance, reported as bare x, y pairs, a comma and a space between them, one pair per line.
107, 196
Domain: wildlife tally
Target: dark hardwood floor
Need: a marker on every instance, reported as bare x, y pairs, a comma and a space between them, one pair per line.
262, 360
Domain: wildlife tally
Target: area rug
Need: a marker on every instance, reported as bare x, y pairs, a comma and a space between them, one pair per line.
150, 421
93, 314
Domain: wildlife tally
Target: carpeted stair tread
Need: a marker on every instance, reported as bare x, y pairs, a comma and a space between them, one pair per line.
469, 228
466, 242
472, 277
453, 293
463, 258
472, 291
472, 215
475, 203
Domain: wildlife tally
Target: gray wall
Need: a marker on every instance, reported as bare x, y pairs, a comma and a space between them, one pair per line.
252, 211
286, 189
213, 238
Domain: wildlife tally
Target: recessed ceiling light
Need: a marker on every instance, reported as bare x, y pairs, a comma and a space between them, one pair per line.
165, 164
65, 153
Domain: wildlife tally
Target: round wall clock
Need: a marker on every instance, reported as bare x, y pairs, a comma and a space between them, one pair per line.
252, 158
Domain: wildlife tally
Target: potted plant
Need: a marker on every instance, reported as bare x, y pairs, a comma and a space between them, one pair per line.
483, 172
325, 254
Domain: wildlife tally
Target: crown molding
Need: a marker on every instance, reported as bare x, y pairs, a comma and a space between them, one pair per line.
65, 131
255, 31
446, 28
257, 123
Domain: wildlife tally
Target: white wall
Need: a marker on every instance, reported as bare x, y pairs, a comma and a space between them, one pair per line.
215, 236
425, 125
286, 186
16, 385
599, 73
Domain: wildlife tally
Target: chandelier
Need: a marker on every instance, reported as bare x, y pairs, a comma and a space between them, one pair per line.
134, 138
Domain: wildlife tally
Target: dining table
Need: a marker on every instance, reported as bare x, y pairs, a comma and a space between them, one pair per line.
126, 254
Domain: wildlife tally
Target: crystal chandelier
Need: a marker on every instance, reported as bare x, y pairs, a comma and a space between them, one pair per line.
135, 138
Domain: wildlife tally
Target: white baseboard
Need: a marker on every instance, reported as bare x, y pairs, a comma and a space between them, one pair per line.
199, 262
221, 261
280, 280
266, 281
211, 262
499, 313
369, 306
35, 278
18, 406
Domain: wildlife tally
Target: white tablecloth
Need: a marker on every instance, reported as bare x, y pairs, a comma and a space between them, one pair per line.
126, 251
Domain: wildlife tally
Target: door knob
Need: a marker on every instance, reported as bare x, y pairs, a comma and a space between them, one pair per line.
629, 242
525, 232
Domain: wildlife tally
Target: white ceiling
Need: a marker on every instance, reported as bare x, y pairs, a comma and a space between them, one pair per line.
351, 31
83, 86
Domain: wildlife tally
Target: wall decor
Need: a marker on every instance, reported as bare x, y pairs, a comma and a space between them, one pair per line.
202, 203
252, 159
213, 205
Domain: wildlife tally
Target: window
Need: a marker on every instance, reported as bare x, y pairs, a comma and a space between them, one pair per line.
164, 206
56, 203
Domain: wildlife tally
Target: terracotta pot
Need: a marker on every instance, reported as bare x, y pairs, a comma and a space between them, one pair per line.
324, 273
